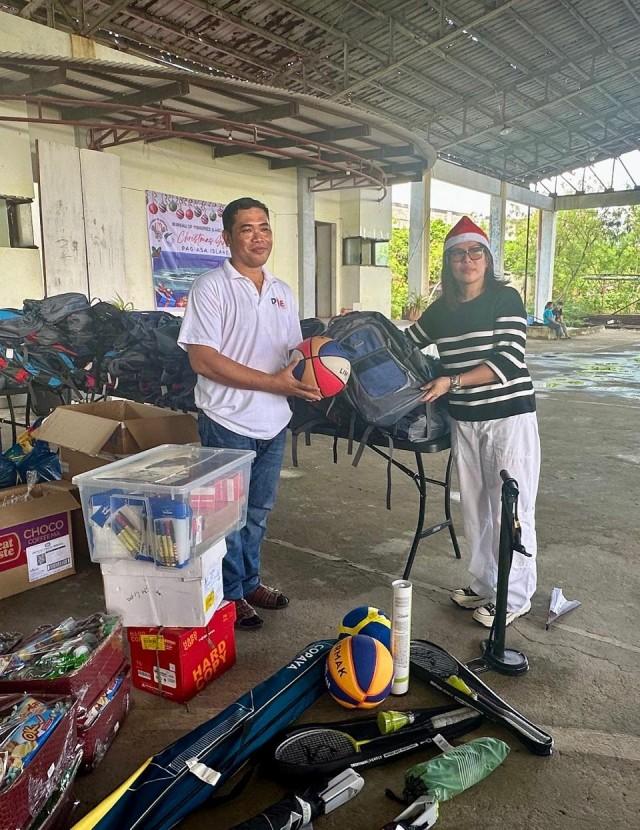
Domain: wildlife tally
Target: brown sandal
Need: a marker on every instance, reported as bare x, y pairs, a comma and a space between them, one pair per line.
265, 597
246, 617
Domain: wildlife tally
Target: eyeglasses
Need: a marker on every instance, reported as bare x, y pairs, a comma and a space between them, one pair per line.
458, 254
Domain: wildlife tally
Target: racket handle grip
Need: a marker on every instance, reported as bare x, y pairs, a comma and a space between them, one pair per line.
291, 813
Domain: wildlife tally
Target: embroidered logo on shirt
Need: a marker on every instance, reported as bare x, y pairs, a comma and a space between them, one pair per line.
277, 301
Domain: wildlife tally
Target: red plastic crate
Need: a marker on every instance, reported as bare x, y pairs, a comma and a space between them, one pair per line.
96, 739
177, 663
22, 801
85, 683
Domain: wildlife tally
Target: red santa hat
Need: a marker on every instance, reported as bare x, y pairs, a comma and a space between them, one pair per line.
465, 231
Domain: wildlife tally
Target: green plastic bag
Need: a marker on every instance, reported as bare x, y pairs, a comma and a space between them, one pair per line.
456, 770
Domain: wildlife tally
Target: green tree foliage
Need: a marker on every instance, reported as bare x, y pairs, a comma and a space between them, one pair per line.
597, 242
588, 242
399, 262
399, 265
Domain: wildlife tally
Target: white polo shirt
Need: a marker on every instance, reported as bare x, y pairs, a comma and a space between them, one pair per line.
226, 312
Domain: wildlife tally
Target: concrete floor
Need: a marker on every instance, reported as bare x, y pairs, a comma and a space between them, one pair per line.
333, 546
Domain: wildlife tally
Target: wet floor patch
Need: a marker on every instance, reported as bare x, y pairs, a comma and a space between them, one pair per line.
608, 373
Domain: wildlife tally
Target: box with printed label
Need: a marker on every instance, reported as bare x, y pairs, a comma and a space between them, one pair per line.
177, 663
142, 594
168, 505
36, 543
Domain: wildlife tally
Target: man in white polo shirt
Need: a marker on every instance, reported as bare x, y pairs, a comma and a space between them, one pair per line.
239, 327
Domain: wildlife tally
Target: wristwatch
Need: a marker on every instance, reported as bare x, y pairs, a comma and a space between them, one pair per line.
454, 383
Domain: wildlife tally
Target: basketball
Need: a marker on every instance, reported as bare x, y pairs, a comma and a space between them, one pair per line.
359, 672
323, 363
367, 620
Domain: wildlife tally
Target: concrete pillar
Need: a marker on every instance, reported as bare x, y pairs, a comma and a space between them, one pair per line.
545, 260
497, 227
306, 246
419, 235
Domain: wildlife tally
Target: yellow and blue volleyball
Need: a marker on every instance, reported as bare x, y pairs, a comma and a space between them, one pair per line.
359, 672
367, 620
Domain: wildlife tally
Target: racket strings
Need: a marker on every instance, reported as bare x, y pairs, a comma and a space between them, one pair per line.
434, 660
317, 747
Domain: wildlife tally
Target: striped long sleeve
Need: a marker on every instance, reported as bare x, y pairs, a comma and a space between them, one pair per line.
491, 329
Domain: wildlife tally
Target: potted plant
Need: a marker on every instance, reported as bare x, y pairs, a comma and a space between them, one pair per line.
414, 306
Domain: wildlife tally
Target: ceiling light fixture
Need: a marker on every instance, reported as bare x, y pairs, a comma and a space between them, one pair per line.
505, 129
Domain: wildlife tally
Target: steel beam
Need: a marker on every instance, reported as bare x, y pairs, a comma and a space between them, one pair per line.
147, 96
585, 201
329, 136
30, 8
35, 82
112, 11
433, 45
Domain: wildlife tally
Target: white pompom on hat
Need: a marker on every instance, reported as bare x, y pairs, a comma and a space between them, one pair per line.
465, 230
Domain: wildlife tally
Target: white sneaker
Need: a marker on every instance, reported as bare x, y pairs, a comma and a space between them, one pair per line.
466, 598
486, 614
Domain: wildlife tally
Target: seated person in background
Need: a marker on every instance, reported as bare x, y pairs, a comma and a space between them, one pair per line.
558, 313
549, 320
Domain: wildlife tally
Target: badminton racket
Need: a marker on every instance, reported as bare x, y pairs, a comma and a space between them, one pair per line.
438, 667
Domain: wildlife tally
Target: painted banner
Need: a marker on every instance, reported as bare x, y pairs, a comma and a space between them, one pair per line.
185, 239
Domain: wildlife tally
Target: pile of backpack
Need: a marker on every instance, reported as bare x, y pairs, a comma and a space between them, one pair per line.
65, 343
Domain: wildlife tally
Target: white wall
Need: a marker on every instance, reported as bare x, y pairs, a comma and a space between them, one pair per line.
180, 167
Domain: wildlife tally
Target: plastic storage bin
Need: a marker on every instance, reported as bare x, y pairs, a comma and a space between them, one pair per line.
167, 505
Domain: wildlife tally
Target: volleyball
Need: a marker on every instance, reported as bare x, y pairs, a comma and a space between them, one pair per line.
359, 672
367, 620
323, 363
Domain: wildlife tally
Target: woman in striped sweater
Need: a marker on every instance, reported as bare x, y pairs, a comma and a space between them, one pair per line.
480, 328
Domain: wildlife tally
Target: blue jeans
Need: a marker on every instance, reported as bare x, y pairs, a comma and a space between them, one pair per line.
241, 565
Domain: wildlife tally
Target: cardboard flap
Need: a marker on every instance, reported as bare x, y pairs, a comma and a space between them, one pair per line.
170, 429
52, 500
76, 430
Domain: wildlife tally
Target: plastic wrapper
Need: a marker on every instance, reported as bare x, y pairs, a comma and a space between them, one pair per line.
456, 770
58, 651
101, 722
24, 727
35, 752
59, 805
8, 473
41, 460
9, 640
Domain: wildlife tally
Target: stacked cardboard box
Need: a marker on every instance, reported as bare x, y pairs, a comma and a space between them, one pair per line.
156, 523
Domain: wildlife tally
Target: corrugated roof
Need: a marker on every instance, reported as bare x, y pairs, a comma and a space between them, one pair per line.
519, 88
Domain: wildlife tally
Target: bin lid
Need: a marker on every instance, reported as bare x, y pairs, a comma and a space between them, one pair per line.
170, 465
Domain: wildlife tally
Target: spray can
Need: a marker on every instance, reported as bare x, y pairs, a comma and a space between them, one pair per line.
401, 635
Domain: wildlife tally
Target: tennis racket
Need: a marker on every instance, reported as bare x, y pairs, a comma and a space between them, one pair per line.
439, 668
316, 746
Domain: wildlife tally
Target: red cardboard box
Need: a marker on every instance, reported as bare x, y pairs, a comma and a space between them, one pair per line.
177, 663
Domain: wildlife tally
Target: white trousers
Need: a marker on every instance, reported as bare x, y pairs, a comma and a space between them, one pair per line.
481, 449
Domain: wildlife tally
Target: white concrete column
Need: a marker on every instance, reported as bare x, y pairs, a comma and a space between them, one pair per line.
306, 246
419, 235
545, 260
497, 227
